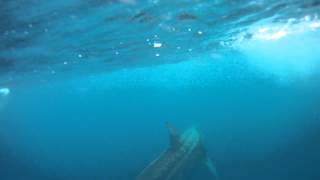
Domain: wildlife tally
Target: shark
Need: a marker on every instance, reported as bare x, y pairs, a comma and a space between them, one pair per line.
185, 152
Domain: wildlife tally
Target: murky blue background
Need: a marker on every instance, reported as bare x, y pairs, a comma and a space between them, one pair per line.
87, 86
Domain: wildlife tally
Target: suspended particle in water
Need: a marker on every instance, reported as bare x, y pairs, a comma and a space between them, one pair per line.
157, 45
157, 54
4, 91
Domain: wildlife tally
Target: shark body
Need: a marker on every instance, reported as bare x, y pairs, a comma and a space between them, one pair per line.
184, 153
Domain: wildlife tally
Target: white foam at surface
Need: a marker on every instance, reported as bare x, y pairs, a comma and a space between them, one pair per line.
289, 58
285, 50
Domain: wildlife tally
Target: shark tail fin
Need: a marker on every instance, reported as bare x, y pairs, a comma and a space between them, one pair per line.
212, 168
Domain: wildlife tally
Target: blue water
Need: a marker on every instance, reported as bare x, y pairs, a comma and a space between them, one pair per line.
86, 86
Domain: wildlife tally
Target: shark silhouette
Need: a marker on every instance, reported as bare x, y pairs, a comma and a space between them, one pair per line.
186, 151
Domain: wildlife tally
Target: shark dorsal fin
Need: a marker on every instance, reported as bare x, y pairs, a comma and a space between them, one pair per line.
173, 135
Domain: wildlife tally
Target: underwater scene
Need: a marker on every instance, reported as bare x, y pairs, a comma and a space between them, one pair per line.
159, 90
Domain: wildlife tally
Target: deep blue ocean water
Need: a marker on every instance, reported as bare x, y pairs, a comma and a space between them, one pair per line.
86, 86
